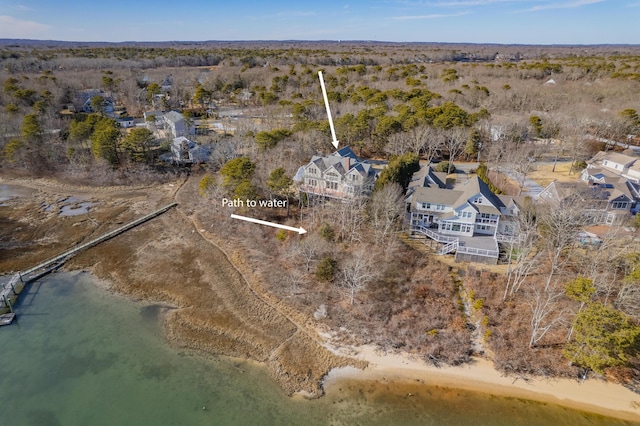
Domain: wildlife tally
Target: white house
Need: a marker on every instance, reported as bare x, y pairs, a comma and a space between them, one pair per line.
468, 219
176, 124
126, 122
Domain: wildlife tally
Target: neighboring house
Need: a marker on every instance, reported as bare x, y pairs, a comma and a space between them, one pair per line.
185, 151
82, 101
171, 122
615, 163
154, 117
175, 123
165, 85
606, 202
107, 105
467, 219
340, 175
618, 175
126, 122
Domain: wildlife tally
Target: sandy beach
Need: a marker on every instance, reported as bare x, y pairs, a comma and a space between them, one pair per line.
592, 395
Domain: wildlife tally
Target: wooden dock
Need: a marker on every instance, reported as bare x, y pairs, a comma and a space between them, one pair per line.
10, 291
6, 319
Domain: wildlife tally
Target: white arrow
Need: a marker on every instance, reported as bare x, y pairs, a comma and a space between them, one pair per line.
326, 104
275, 225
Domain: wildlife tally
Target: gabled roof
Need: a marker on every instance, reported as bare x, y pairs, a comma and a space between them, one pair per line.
173, 116
461, 196
475, 186
364, 169
448, 197
428, 177
570, 192
613, 157
346, 152
337, 167
343, 161
616, 157
486, 208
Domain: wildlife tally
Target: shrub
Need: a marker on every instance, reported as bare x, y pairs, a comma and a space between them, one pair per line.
326, 269
205, 184
270, 139
326, 232
281, 235
487, 334
444, 167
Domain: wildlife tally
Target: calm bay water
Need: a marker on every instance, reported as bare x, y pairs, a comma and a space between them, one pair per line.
81, 356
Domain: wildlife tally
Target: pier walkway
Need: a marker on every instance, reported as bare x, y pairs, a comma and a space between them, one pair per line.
9, 291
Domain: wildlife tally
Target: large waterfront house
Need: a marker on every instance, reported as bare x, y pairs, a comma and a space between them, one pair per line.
466, 218
341, 175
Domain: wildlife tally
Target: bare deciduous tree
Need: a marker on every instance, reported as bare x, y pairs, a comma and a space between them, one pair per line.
419, 140
309, 250
350, 218
523, 252
385, 210
560, 224
454, 141
356, 272
545, 313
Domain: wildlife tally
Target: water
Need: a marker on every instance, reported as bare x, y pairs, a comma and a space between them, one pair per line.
7, 192
81, 356
75, 209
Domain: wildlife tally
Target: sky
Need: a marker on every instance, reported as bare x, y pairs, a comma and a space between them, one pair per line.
474, 21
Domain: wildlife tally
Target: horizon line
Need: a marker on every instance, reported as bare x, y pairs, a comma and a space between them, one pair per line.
337, 41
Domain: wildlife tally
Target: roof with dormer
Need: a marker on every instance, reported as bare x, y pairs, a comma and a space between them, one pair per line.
462, 196
343, 161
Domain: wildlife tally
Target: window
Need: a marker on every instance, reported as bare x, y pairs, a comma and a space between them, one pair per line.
312, 182
439, 206
477, 200
332, 185
332, 177
312, 171
619, 205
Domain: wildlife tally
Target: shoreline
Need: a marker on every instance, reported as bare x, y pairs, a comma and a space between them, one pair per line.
593, 395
